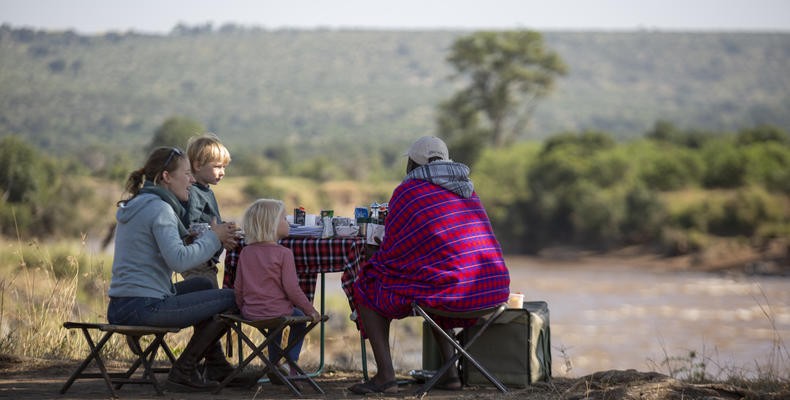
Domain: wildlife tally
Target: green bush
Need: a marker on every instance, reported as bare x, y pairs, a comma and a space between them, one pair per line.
676, 242
319, 169
15, 219
596, 214
739, 213
698, 216
745, 212
500, 178
768, 164
607, 169
257, 188
666, 132
175, 132
726, 165
672, 169
762, 134
35, 188
644, 215
249, 163
586, 142
22, 172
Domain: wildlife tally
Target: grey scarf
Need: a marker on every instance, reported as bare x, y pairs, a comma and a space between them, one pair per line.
450, 175
169, 198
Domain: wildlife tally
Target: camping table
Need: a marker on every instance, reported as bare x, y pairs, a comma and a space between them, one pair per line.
315, 256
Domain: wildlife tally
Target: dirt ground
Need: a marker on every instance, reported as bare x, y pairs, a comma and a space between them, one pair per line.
42, 379
27, 378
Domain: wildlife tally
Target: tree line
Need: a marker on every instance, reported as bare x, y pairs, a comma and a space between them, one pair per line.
676, 190
64, 91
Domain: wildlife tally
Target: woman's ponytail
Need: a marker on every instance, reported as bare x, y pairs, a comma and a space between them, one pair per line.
161, 159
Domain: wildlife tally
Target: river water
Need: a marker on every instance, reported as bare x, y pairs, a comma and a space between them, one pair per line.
610, 315
617, 317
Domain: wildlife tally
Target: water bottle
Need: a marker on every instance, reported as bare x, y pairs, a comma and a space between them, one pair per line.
374, 212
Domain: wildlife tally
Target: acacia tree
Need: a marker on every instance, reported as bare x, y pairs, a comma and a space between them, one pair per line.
507, 73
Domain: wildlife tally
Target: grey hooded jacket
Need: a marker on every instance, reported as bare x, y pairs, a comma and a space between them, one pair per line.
148, 249
450, 175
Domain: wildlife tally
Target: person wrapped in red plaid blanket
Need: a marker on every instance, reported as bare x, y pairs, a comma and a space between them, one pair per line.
438, 250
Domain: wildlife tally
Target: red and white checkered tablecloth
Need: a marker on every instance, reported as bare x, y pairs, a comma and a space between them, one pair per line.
313, 256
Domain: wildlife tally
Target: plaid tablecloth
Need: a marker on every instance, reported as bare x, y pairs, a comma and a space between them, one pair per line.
313, 256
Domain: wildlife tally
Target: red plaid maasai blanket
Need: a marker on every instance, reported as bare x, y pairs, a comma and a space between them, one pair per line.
312, 256
439, 250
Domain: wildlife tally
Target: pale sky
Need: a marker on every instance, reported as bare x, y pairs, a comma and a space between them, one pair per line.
159, 16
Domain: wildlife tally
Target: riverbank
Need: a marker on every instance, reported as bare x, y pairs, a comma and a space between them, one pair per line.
725, 258
615, 311
26, 378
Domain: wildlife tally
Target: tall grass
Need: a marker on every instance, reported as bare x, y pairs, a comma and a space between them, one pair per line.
774, 372
771, 373
44, 285
41, 289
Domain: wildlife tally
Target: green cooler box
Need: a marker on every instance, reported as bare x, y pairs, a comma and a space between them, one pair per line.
516, 349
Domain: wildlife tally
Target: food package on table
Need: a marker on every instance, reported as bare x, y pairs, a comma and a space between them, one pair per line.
346, 231
375, 234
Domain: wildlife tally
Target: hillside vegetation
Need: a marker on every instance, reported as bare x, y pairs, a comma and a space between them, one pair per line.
321, 118
319, 89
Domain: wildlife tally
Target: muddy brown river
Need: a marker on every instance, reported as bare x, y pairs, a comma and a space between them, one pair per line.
614, 316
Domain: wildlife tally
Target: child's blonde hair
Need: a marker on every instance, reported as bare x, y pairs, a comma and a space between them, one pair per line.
261, 219
205, 149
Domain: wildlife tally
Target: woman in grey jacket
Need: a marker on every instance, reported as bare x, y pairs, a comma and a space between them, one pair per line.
149, 247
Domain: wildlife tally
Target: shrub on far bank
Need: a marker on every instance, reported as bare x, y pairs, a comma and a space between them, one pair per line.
257, 188
675, 242
38, 198
671, 168
677, 190
740, 212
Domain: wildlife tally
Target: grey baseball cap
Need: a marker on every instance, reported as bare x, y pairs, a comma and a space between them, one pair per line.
427, 147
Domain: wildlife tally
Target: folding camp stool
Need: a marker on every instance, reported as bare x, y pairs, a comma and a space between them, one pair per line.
144, 356
269, 328
493, 313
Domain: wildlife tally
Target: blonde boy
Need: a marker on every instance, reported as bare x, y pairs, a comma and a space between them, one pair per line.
208, 158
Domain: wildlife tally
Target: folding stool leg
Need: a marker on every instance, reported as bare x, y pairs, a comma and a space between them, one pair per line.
242, 362
364, 357
137, 351
257, 351
169, 355
148, 363
272, 365
229, 342
460, 351
238, 339
293, 364
95, 354
146, 358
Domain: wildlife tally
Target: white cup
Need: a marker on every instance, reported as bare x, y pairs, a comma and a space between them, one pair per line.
516, 300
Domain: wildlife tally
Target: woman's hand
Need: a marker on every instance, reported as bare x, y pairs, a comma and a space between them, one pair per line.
315, 316
226, 233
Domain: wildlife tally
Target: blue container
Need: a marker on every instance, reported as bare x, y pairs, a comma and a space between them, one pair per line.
360, 212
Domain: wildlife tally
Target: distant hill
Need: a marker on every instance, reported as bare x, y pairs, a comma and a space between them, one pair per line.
63, 91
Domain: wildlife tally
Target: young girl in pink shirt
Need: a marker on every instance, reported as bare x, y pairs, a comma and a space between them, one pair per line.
266, 284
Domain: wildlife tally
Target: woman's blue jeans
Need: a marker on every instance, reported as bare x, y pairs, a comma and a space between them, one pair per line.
297, 330
195, 300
